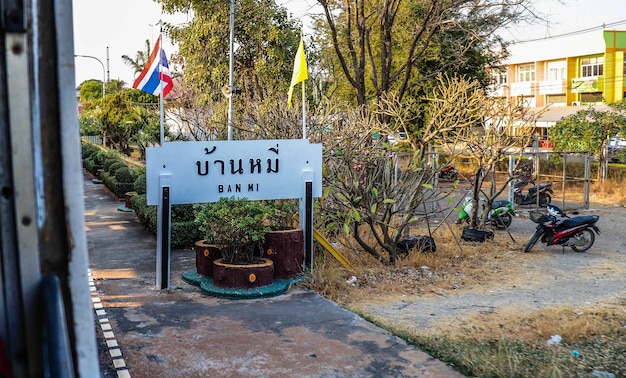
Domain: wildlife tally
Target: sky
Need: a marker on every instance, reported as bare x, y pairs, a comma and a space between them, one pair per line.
121, 27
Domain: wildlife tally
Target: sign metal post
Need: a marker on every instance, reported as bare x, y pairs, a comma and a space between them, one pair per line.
164, 233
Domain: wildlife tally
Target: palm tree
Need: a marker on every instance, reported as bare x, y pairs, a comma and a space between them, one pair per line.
140, 60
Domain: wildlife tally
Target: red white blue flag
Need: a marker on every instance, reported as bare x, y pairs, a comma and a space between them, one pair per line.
156, 74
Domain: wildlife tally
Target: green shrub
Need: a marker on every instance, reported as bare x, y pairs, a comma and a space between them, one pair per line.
108, 163
184, 233
91, 166
119, 183
108, 180
140, 183
138, 170
147, 215
238, 225
86, 148
121, 188
183, 212
115, 166
99, 157
124, 175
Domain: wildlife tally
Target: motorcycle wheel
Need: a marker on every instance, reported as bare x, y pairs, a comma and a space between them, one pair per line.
587, 237
502, 221
544, 200
533, 239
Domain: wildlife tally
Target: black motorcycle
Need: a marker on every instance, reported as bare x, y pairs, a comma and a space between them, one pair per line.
576, 232
543, 190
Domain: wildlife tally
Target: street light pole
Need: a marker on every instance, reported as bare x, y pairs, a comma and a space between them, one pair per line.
231, 81
103, 69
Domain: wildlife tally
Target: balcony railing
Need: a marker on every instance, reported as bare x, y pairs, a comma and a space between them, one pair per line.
548, 87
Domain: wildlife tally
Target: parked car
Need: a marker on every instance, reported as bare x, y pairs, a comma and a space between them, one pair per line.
393, 139
617, 149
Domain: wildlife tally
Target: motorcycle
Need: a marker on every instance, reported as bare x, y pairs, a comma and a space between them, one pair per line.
576, 232
543, 190
500, 216
449, 173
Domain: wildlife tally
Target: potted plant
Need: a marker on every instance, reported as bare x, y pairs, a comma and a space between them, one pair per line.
237, 226
284, 244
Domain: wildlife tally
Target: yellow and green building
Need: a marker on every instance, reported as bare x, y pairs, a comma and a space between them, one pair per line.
580, 69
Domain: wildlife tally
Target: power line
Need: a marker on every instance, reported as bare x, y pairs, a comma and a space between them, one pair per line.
576, 32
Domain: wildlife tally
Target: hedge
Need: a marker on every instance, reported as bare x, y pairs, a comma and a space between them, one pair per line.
184, 231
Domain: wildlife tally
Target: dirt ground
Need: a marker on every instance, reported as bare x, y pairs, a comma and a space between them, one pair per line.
522, 282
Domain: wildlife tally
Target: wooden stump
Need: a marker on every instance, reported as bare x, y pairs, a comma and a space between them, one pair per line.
243, 276
205, 255
127, 197
286, 250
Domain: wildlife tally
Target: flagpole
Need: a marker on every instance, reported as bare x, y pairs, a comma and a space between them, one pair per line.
161, 110
162, 119
303, 112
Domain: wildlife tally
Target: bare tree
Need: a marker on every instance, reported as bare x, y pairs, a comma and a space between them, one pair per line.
366, 198
485, 128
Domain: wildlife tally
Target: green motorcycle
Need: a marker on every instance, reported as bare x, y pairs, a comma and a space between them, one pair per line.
500, 216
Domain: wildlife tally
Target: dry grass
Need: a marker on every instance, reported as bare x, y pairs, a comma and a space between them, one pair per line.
534, 328
609, 192
455, 265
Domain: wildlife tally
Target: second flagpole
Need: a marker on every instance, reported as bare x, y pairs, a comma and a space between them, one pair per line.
303, 111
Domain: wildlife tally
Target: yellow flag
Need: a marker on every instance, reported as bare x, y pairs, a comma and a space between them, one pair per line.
300, 72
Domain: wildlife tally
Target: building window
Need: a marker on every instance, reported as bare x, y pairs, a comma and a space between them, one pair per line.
526, 73
595, 97
499, 76
557, 99
593, 66
556, 71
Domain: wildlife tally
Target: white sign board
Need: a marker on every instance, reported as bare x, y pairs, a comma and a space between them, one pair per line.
256, 169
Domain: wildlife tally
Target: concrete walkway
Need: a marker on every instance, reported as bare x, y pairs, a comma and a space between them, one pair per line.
180, 332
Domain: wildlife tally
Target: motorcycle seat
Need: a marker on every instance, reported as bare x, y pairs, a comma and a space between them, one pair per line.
543, 185
502, 203
577, 221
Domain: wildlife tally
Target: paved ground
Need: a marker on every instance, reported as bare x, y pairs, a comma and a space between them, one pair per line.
181, 332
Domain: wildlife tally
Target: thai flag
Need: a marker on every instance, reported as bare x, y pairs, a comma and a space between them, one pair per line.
156, 73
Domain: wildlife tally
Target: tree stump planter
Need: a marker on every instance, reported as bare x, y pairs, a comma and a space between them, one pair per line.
286, 250
127, 197
243, 276
205, 255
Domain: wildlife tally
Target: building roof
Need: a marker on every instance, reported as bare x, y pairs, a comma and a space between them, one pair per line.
557, 48
554, 114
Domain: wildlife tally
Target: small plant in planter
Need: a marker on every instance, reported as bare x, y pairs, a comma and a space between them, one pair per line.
237, 226
284, 245
282, 214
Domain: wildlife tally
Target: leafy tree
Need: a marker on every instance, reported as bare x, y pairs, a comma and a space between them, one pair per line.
266, 40
400, 46
140, 58
589, 130
89, 125
115, 85
145, 122
89, 91
123, 120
